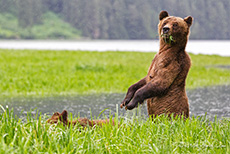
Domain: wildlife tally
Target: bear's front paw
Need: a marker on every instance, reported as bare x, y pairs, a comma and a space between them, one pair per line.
133, 104
125, 102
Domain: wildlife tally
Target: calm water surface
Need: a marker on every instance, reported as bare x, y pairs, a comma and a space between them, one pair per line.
213, 101
218, 47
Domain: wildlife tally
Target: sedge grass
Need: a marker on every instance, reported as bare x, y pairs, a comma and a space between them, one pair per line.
161, 135
42, 73
45, 73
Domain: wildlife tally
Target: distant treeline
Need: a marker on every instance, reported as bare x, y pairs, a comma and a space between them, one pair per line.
109, 19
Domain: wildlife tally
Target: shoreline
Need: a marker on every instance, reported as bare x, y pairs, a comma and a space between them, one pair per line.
207, 47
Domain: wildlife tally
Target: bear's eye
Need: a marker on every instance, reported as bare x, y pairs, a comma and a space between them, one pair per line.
175, 25
164, 24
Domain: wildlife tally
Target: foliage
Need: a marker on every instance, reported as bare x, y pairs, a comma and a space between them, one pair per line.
120, 19
52, 27
160, 135
8, 26
168, 38
45, 73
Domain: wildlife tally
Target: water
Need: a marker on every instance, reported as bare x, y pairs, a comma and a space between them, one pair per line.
213, 101
218, 47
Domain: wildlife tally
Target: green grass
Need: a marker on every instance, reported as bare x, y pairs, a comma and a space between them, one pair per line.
205, 73
197, 135
45, 73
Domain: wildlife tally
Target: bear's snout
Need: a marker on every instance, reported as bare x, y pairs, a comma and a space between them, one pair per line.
166, 30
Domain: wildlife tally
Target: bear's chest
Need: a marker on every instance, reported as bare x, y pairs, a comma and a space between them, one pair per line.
158, 64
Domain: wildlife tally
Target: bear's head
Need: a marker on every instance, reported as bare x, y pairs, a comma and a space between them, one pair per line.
59, 117
62, 118
173, 30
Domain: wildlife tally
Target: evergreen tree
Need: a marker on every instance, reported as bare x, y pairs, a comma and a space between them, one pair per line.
29, 12
8, 6
116, 20
25, 13
124, 19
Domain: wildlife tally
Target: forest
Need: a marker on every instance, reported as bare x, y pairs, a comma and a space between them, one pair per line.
110, 19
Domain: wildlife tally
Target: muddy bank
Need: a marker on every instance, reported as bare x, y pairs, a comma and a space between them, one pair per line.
213, 101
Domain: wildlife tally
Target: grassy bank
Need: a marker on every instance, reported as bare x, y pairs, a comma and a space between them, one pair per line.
44, 73
131, 136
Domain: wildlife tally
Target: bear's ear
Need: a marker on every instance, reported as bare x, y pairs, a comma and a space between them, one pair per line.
163, 15
188, 20
56, 114
64, 115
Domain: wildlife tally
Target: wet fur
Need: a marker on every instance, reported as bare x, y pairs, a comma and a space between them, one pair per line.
164, 85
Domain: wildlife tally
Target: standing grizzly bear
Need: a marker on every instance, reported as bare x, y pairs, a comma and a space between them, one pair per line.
164, 85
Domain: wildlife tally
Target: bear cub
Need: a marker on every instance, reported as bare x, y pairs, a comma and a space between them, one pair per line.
83, 122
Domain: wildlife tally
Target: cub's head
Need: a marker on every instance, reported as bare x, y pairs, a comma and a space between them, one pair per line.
59, 117
173, 30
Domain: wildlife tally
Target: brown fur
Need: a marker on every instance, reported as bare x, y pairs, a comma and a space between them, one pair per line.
164, 85
63, 118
